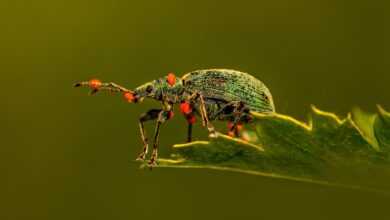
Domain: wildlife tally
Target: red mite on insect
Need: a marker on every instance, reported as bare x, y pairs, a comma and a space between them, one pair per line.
212, 94
95, 83
185, 108
171, 79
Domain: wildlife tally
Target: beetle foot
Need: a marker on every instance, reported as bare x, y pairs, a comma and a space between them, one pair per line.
153, 160
141, 156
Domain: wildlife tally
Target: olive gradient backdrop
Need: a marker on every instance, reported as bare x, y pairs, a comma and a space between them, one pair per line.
65, 155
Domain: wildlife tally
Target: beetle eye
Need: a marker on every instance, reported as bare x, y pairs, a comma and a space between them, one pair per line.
149, 88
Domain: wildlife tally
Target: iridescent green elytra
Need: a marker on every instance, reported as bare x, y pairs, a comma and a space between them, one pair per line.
213, 94
230, 85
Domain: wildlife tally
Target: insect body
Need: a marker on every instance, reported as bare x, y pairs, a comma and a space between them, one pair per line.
213, 94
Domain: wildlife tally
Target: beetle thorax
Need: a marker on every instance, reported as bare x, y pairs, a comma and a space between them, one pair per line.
160, 90
170, 92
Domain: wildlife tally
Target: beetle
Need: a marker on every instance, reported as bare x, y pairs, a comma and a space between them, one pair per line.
212, 94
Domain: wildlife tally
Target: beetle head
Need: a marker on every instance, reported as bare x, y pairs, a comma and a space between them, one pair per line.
147, 90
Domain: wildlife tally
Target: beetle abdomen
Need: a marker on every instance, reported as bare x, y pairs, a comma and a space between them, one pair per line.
230, 85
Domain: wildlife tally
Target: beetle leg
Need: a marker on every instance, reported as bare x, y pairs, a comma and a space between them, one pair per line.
188, 111
203, 112
205, 117
237, 130
192, 99
233, 105
239, 112
152, 162
202, 107
190, 120
189, 133
162, 117
226, 112
148, 116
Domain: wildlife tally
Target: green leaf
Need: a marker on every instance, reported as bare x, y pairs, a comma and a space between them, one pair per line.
327, 150
382, 129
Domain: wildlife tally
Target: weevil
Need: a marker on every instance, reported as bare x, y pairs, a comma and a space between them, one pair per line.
212, 94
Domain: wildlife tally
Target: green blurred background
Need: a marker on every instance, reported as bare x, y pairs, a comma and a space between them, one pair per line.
65, 155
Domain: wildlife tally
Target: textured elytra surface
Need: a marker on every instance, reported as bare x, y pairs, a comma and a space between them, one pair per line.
327, 149
230, 85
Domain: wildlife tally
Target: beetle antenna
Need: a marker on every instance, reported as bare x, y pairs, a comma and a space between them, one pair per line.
96, 85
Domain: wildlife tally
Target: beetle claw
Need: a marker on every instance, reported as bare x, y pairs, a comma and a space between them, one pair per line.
153, 159
141, 157
152, 163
